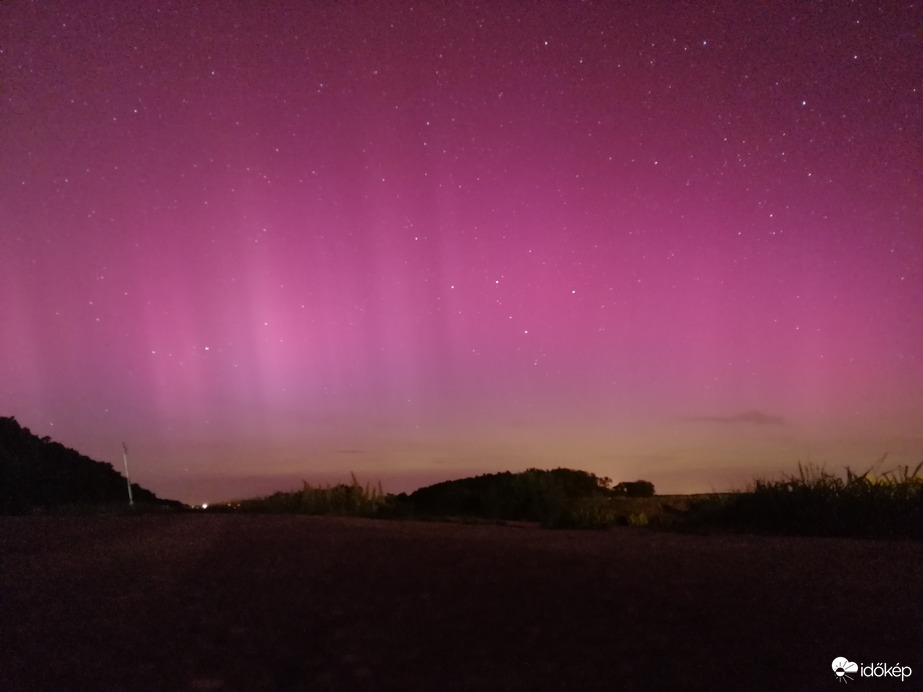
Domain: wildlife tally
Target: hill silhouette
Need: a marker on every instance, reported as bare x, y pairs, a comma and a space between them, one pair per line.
38, 474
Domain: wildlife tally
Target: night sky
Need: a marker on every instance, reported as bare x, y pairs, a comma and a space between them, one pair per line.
266, 242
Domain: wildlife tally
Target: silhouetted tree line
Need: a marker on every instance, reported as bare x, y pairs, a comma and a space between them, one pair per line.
532, 495
634, 489
559, 497
37, 474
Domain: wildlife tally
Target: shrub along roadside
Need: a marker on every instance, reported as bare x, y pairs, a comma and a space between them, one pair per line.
816, 502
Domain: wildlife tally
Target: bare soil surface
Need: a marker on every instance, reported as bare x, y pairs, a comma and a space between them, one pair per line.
246, 602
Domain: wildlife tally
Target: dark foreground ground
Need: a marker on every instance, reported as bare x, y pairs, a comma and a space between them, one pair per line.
229, 602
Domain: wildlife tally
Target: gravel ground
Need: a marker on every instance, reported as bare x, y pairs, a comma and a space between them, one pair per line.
249, 603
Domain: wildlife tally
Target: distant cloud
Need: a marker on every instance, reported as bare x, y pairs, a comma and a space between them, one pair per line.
752, 417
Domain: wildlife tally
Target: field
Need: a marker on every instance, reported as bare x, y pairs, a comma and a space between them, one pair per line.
203, 602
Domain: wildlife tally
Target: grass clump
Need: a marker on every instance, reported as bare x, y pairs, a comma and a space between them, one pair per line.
353, 499
345, 499
819, 503
638, 519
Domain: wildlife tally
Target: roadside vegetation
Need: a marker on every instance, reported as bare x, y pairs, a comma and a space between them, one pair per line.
816, 502
813, 502
556, 498
345, 499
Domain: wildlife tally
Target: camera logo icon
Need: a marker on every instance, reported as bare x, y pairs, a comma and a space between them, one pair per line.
842, 666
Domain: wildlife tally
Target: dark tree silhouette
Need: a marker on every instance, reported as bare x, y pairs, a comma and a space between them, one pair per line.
38, 474
533, 495
635, 489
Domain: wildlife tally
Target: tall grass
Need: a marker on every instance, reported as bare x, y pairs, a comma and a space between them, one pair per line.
817, 502
344, 499
594, 512
350, 500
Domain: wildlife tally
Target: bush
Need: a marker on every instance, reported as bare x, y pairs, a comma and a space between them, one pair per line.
635, 489
584, 513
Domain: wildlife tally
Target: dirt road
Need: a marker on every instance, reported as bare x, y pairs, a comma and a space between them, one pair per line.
228, 602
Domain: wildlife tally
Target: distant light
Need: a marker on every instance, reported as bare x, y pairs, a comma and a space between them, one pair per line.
204, 506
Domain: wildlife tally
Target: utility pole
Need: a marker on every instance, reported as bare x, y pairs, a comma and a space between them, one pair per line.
127, 479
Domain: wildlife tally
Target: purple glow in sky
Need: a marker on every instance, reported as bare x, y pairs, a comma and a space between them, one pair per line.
263, 242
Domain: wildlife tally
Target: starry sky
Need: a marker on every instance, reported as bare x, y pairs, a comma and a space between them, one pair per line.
266, 242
